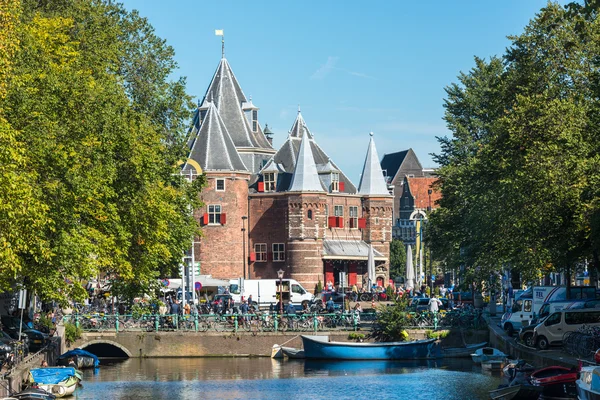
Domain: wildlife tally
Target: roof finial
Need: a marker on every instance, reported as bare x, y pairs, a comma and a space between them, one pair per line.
219, 32
199, 103
371, 133
298, 108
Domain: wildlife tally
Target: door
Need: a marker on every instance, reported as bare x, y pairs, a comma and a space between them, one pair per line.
527, 314
554, 328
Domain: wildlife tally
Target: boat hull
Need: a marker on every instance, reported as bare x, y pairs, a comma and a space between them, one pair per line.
462, 352
518, 392
292, 352
417, 350
584, 393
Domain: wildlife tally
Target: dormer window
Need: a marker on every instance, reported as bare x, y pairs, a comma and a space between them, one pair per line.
270, 181
254, 120
335, 182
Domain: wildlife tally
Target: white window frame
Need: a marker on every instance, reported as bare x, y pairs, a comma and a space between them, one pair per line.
335, 182
353, 216
278, 252
254, 116
260, 249
214, 214
338, 211
270, 183
217, 184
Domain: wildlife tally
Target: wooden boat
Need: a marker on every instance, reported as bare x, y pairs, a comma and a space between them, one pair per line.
487, 354
462, 352
317, 348
517, 392
588, 384
557, 382
60, 381
81, 358
492, 365
292, 352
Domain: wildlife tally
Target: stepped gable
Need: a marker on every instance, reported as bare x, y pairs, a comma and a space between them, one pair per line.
227, 95
212, 146
286, 157
306, 177
372, 181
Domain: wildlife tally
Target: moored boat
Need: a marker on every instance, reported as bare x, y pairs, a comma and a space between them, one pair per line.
588, 384
487, 354
318, 348
462, 352
292, 352
31, 394
60, 381
558, 382
81, 358
517, 392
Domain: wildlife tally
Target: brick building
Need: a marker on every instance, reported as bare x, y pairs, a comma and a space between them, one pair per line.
291, 209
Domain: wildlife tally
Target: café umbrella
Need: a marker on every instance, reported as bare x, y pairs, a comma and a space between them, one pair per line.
410, 270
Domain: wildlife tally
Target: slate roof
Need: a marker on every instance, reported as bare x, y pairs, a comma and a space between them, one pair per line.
286, 156
305, 178
372, 181
227, 95
391, 163
212, 146
353, 249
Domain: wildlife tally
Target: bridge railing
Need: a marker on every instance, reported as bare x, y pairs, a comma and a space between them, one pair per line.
264, 322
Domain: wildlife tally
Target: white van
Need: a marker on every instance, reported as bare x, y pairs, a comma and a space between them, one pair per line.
553, 329
266, 292
525, 307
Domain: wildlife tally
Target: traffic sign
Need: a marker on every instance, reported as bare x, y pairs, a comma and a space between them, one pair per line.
197, 286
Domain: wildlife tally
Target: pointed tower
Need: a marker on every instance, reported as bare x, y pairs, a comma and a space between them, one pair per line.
306, 177
225, 196
377, 204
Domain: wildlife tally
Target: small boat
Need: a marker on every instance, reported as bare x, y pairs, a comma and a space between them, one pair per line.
81, 358
60, 381
317, 348
487, 354
588, 384
517, 392
462, 352
557, 382
292, 352
492, 365
32, 393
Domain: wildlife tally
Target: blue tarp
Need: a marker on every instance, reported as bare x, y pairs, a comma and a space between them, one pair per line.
80, 353
51, 375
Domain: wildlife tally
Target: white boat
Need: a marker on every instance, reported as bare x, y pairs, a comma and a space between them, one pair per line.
60, 381
588, 384
487, 354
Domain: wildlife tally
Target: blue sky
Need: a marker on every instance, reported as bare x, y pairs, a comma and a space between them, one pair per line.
352, 66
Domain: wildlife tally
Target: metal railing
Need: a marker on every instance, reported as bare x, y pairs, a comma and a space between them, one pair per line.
263, 322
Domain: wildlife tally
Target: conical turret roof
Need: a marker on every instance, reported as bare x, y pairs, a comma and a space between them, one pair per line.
212, 146
306, 177
372, 181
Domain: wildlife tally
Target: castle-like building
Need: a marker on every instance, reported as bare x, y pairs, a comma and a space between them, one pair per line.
290, 209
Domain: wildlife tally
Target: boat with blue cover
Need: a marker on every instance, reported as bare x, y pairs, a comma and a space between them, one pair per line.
316, 347
60, 381
81, 358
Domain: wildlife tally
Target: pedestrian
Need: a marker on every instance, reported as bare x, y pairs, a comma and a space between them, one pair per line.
443, 291
250, 302
44, 364
357, 310
354, 293
186, 309
434, 304
329, 286
330, 306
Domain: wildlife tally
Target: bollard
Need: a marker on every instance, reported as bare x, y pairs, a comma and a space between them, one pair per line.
77, 320
315, 322
276, 322
117, 322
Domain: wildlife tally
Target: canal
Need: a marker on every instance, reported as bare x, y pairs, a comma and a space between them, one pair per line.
264, 378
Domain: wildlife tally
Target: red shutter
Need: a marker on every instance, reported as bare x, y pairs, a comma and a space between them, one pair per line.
205, 219
269, 256
340, 222
223, 218
332, 222
362, 223
341, 186
252, 257
261, 186
351, 223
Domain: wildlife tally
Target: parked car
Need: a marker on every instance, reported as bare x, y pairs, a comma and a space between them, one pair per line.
526, 332
11, 325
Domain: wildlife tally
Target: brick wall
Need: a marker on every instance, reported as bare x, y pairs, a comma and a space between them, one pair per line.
378, 233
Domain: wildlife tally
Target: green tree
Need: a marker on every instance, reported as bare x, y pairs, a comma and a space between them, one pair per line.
397, 259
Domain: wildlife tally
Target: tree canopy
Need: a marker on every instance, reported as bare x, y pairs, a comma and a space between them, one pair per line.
519, 176
91, 129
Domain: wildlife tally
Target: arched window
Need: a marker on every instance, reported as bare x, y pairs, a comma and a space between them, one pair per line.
309, 214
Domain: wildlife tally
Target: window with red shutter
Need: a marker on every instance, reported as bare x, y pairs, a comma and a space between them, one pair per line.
351, 223
261, 186
223, 218
205, 219
340, 222
252, 257
332, 222
362, 223
341, 186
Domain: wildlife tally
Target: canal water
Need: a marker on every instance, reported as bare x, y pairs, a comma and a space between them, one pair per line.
264, 378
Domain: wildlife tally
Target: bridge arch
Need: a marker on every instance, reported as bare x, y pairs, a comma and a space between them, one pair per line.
100, 343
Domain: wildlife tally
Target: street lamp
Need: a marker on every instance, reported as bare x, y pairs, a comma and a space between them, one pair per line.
244, 218
280, 276
429, 191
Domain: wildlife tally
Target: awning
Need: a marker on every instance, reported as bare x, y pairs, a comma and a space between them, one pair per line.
348, 250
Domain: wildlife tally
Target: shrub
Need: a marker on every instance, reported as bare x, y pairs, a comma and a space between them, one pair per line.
319, 287
356, 336
72, 333
436, 334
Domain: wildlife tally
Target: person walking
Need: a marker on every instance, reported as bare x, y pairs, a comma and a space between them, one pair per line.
354, 293
434, 304
330, 306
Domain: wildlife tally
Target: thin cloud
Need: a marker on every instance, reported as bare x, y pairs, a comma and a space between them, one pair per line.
330, 66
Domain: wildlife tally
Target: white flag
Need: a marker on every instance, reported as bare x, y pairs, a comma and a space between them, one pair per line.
219, 32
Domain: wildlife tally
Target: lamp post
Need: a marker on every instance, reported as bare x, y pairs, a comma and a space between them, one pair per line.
244, 218
280, 276
429, 191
